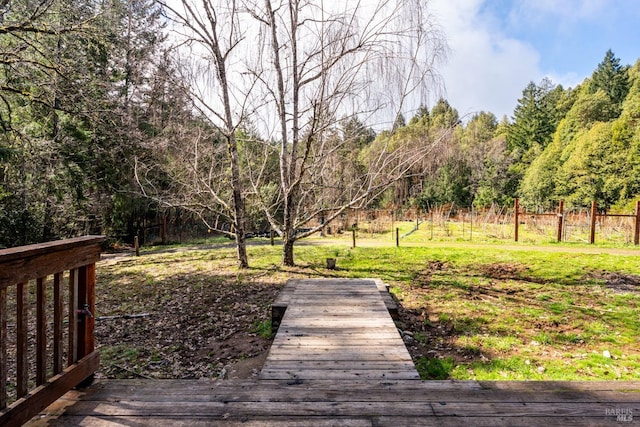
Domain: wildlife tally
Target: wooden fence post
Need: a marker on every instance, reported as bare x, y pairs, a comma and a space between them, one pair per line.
636, 236
560, 219
163, 229
471, 225
592, 230
136, 245
353, 235
392, 214
397, 237
516, 213
431, 225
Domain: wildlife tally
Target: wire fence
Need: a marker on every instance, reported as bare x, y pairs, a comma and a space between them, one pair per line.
440, 222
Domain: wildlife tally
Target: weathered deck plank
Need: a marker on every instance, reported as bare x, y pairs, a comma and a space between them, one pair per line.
393, 403
281, 303
391, 391
337, 329
240, 409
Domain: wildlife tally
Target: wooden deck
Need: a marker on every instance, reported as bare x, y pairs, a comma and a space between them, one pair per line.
338, 360
345, 403
338, 330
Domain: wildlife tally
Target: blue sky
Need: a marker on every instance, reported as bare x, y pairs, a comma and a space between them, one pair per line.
499, 46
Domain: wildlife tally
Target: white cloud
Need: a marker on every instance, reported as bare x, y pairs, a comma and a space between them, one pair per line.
487, 70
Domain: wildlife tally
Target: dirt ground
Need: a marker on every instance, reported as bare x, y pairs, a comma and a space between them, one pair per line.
214, 331
211, 333
182, 339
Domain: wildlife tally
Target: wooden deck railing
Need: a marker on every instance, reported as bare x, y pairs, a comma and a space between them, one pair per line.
42, 285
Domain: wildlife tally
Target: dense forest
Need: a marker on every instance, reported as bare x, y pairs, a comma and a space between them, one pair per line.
101, 127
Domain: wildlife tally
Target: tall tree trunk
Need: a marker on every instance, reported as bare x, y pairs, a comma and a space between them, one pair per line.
287, 250
288, 231
241, 243
236, 183
238, 201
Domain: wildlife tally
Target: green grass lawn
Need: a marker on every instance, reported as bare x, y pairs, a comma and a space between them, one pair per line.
513, 314
473, 311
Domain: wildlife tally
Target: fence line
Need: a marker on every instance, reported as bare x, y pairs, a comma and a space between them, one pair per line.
502, 223
441, 222
626, 225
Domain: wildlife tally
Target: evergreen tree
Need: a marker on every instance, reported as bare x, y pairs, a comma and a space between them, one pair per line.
40, 85
400, 122
421, 115
486, 157
443, 115
71, 119
535, 116
612, 78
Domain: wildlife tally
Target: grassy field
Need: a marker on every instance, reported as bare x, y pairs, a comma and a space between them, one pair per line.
469, 311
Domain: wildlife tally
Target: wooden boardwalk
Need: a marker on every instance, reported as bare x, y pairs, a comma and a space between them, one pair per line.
196, 403
338, 360
336, 329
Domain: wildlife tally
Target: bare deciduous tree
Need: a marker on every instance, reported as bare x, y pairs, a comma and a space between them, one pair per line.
316, 63
294, 69
212, 32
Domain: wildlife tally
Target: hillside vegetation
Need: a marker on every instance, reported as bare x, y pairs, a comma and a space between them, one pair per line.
103, 128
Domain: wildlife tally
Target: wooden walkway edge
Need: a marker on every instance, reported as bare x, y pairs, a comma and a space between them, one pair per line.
337, 329
354, 403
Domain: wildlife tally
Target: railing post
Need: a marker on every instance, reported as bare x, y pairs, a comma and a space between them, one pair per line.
3, 348
22, 370
58, 316
86, 308
72, 354
41, 331
516, 213
592, 229
560, 219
